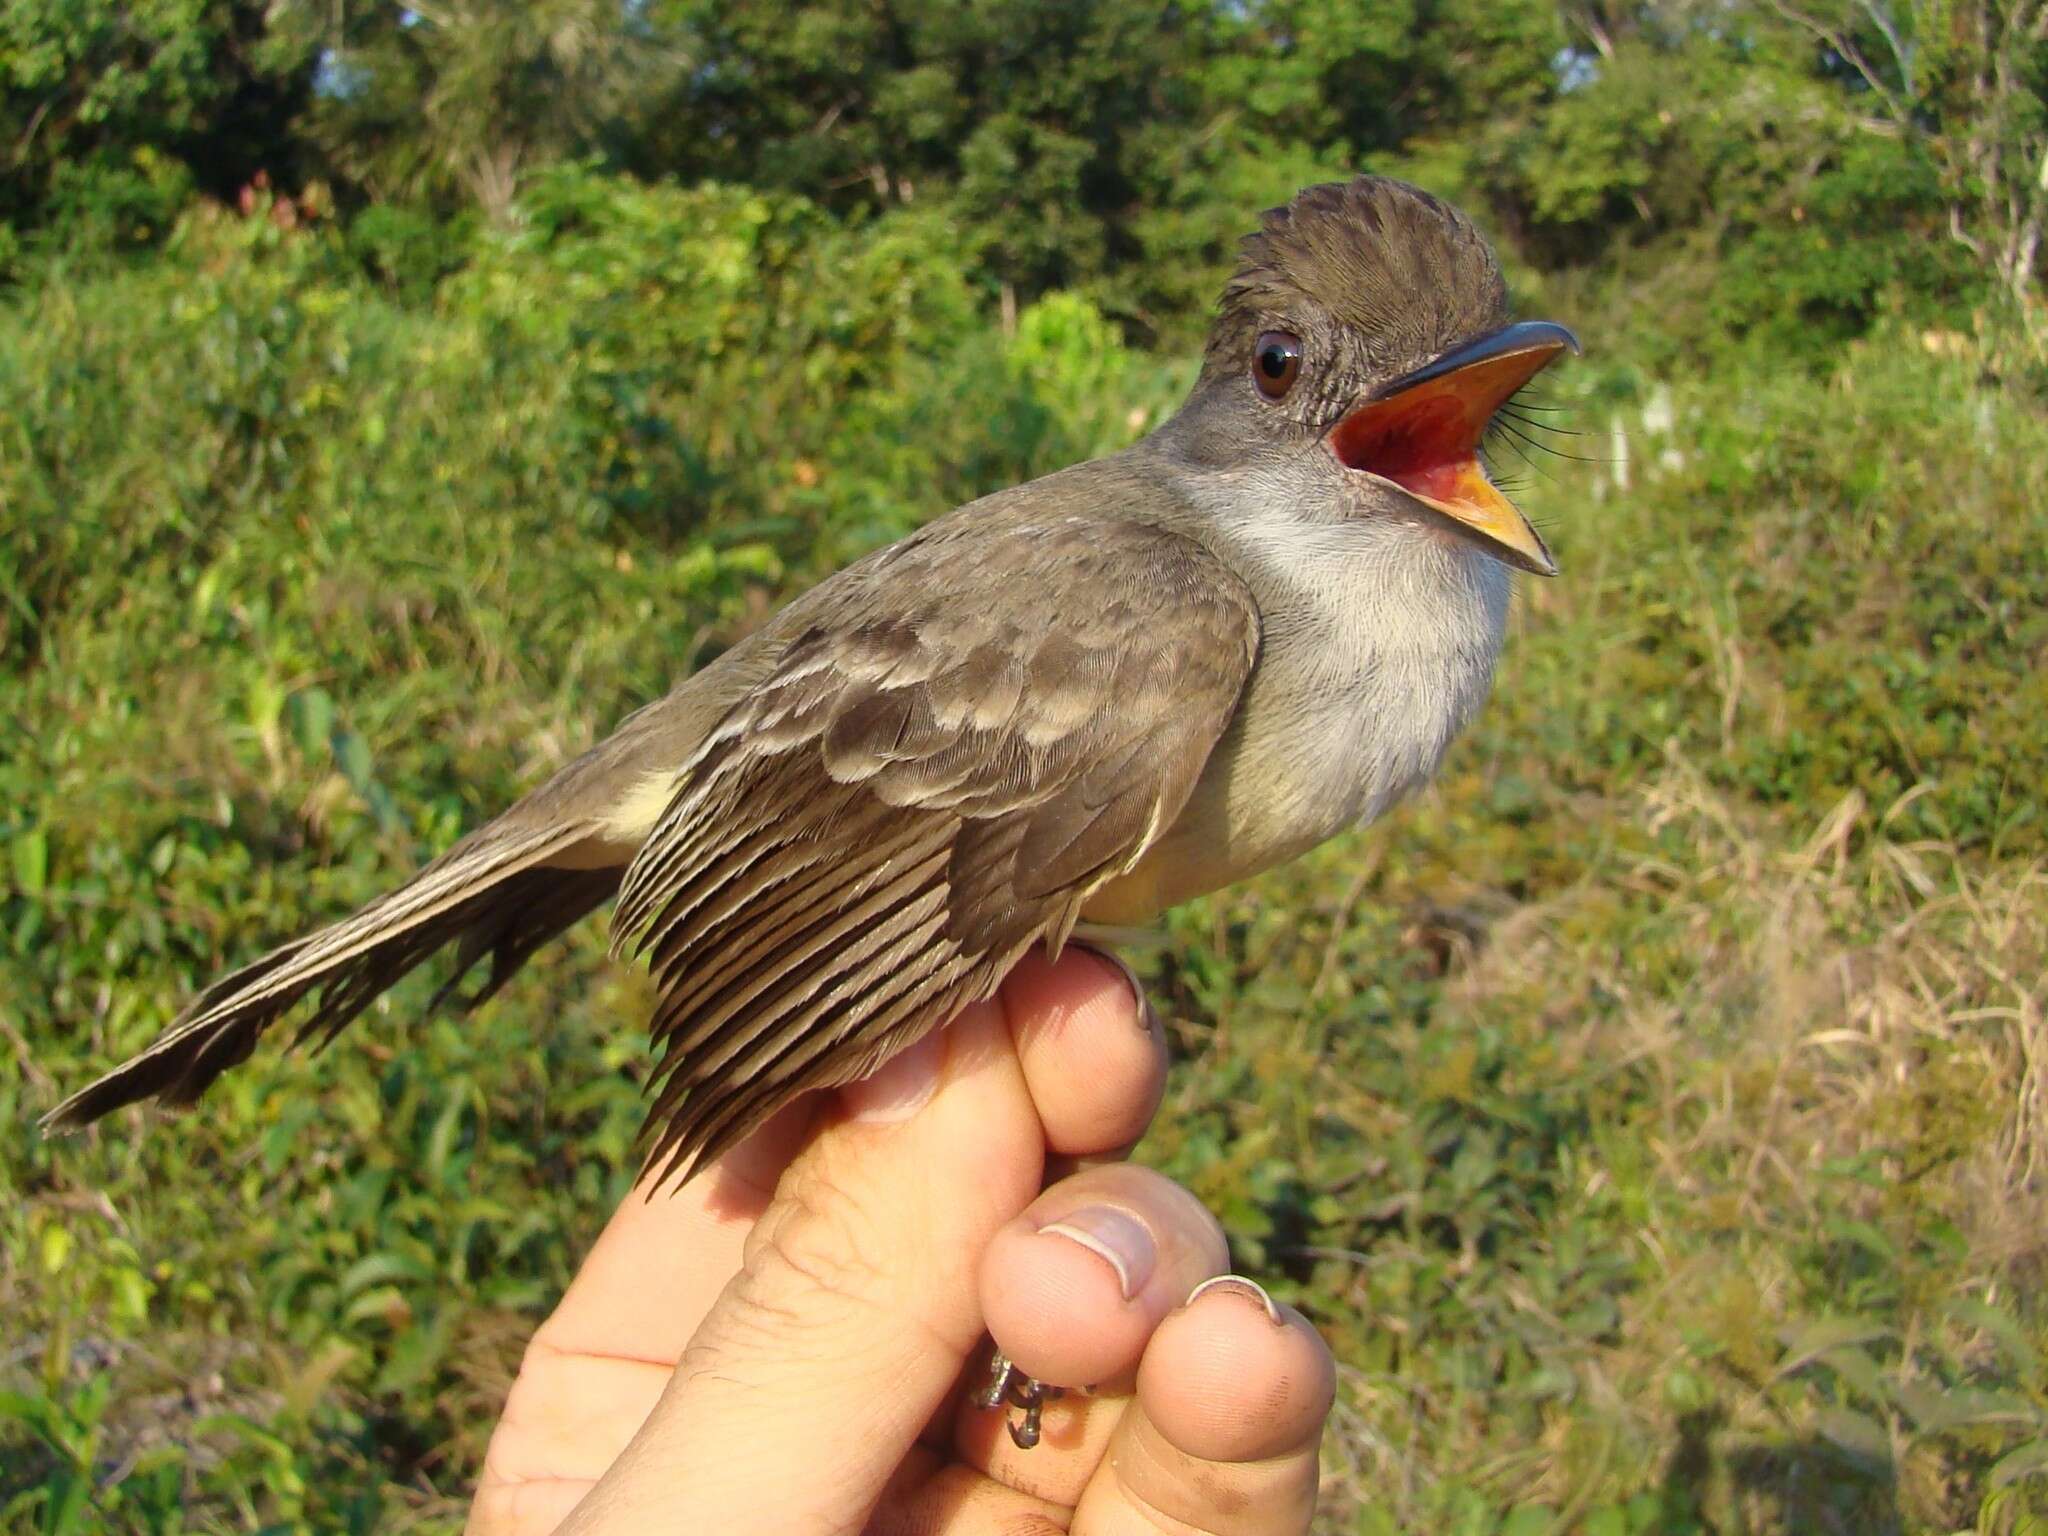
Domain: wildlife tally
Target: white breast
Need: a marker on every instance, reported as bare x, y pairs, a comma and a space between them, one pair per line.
1378, 644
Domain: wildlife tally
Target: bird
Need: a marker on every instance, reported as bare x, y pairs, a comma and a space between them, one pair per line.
1075, 702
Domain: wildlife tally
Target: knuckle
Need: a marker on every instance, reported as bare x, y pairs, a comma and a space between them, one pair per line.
829, 1272
821, 1259
822, 1236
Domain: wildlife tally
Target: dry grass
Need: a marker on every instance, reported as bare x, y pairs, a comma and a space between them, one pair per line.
1652, 1118
1832, 1038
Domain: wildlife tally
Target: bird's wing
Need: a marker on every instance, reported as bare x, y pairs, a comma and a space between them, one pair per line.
961, 738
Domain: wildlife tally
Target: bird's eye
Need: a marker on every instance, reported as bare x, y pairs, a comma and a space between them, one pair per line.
1276, 362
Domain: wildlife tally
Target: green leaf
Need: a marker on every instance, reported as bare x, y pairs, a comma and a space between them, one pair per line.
2030, 1460
378, 1303
1966, 1405
1529, 1520
312, 720
1805, 1342
275, 1447
1685, 1390
1863, 1235
380, 1269
24, 1408
57, 1244
31, 861
447, 1128
1920, 1401
1859, 1371
415, 1354
65, 1514
2012, 1341
352, 756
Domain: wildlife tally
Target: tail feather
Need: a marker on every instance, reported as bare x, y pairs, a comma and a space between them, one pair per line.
496, 894
536, 905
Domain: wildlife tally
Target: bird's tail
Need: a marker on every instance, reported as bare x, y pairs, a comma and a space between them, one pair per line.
495, 892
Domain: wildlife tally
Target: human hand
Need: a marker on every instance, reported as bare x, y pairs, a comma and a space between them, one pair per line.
789, 1342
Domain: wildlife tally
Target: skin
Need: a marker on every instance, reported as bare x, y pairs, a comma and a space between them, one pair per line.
784, 1343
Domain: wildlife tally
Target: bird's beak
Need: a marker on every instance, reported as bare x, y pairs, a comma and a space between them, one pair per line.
1421, 433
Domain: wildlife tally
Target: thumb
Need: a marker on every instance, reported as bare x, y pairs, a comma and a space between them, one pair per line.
854, 1308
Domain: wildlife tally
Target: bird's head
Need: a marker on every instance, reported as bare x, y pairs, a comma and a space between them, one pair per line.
1363, 347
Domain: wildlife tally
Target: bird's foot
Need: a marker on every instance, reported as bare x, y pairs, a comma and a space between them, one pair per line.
1007, 1384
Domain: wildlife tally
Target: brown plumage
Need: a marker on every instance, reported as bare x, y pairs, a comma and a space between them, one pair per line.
932, 778
1090, 695
1307, 260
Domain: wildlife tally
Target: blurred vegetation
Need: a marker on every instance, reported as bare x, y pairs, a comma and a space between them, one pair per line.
1654, 1116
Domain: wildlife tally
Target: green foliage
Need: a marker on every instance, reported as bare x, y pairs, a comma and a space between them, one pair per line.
1056, 133
1799, 286
1791, 220
97, 95
1644, 1116
1030, 120
408, 248
462, 100
1651, 1116
1808, 167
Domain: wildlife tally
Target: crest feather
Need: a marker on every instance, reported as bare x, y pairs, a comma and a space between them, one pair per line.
1402, 270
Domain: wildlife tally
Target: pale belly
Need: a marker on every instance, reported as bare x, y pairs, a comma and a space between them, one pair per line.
1287, 778
1222, 838
1267, 797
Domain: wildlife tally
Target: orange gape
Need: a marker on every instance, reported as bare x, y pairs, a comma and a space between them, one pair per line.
1426, 438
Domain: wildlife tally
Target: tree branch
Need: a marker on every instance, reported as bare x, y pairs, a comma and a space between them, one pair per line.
1902, 55
1851, 55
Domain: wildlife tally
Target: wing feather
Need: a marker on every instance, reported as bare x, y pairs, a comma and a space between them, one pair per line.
951, 749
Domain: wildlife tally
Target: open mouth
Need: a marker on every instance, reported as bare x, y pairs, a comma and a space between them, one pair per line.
1421, 434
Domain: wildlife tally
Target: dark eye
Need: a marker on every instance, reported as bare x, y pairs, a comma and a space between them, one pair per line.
1275, 363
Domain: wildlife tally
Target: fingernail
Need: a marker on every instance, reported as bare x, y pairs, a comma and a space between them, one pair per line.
900, 1087
1251, 1290
1148, 1021
1116, 1237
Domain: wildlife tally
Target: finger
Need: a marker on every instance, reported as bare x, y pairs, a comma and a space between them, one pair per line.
854, 1307
597, 1366
1072, 1291
958, 1501
1093, 1052
1232, 1397
1074, 1286
667, 1252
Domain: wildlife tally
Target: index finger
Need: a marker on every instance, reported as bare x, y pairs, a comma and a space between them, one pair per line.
595, 1369
666, 1253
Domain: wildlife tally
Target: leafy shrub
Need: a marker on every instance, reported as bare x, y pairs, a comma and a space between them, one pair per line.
1630, 1113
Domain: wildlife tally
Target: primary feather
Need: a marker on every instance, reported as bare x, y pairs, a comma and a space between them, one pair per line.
932, 777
